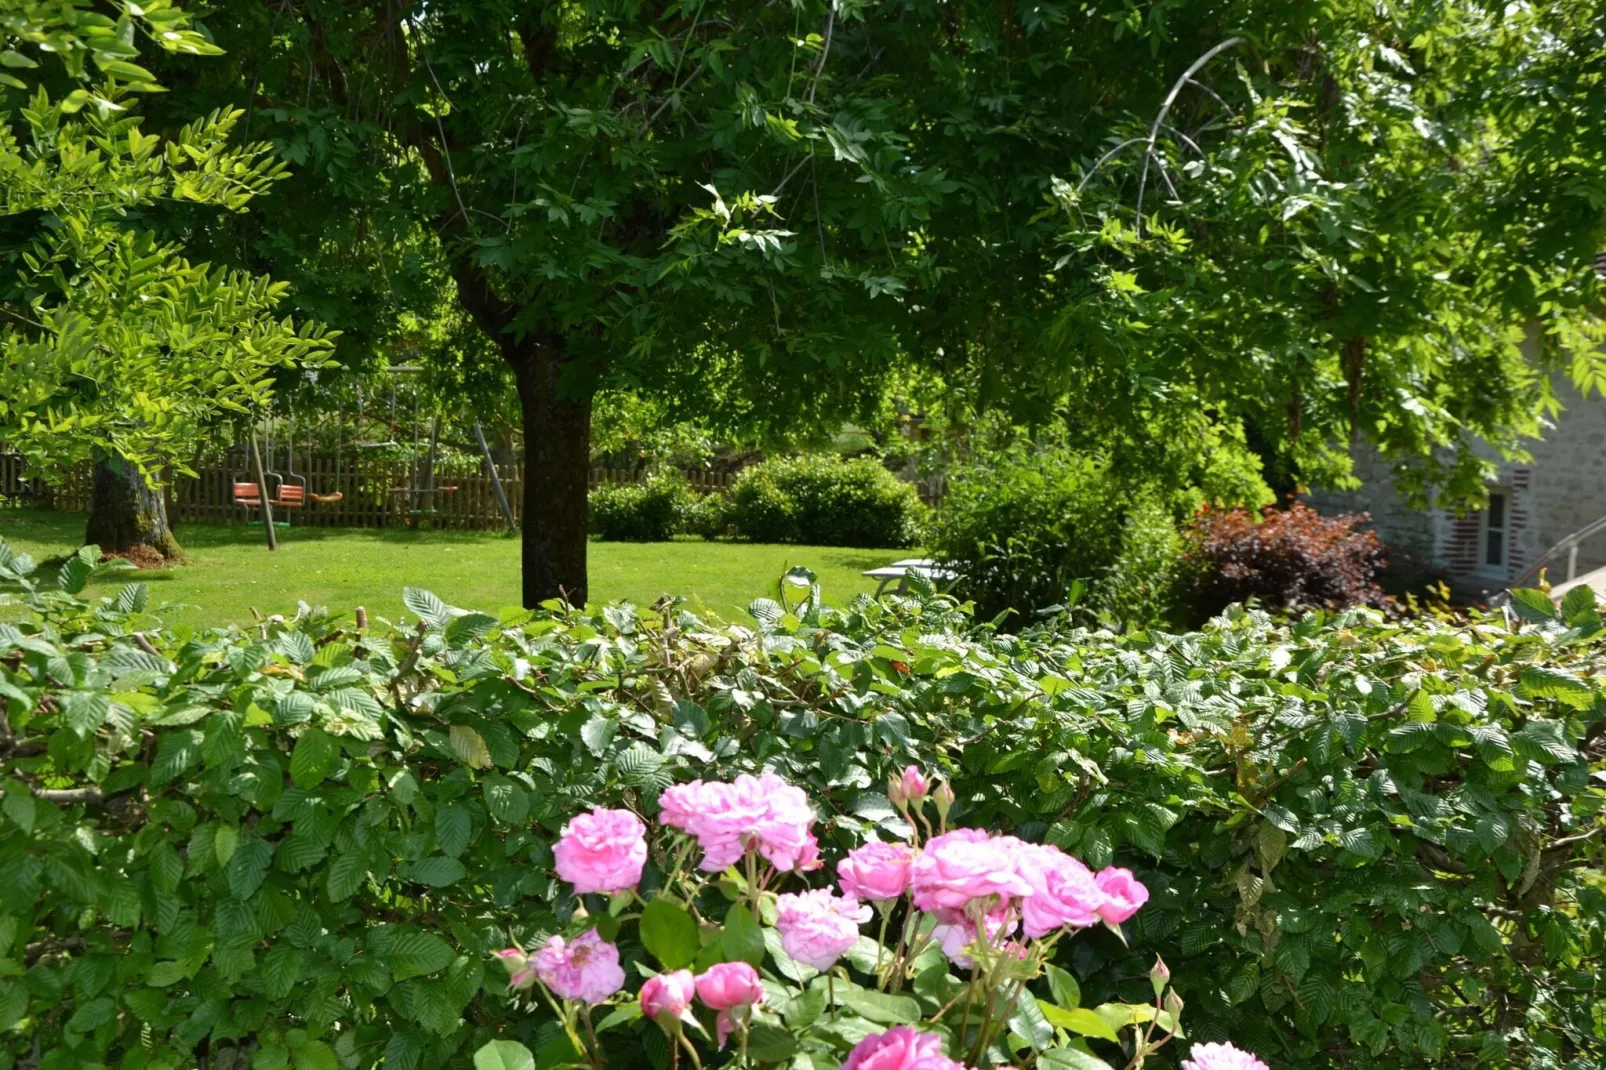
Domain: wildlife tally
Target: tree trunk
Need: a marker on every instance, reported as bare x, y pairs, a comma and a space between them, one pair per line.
126, 515
557, 462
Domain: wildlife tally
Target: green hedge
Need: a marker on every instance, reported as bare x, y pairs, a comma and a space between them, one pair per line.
1370, 844
653, 510
823, 500
1021, 527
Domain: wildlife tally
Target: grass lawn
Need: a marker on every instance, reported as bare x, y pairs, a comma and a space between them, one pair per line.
230, 570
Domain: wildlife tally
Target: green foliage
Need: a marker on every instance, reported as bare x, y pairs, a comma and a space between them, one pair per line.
115, 344
1393, 252
649, 511
822, 499
1371, 845
1143, 585
709, 515
1022, 525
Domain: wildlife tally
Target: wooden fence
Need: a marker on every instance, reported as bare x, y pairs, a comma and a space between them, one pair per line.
373, 494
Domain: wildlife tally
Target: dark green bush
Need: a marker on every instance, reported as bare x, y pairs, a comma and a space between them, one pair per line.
1022, 526
654, 510
823, 500
1370, 845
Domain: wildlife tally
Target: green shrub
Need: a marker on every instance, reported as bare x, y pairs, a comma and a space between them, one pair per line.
823, 500
1022, 526
1370, 845
709, 515
651, 511
1145, 583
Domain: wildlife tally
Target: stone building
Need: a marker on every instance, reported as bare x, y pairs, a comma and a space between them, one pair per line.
1533, 506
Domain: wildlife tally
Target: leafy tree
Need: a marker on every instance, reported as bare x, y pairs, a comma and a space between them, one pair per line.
1380, 231
765, 213
117, 348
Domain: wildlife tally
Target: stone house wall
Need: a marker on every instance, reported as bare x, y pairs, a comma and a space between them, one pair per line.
1559, 491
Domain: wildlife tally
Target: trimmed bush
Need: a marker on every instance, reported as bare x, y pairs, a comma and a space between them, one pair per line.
1370, 844
654, 510
823, 500
708, 515
1022, 526
1287, 558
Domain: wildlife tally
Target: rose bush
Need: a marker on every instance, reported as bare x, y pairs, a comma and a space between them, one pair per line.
992, 905
1366, 844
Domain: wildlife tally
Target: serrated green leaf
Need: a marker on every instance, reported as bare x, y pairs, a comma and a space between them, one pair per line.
469, 747
313, 757
504, 1055
437, 871
415, 954
741, 939
669, 933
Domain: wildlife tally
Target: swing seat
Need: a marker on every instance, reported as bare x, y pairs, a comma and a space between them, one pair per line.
248, 494
290, 497
326, 498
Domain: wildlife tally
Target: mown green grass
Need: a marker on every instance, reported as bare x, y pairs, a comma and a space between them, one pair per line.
230, 571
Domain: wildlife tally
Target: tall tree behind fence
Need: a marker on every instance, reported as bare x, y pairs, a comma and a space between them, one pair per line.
373, 494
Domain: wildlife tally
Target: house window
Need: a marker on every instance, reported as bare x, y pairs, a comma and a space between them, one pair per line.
1496, 529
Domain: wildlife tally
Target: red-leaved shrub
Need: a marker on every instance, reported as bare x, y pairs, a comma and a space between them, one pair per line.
1287, 558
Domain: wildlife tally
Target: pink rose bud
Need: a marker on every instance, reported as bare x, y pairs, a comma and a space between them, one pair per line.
522, 980
1123, 894
666, 997
895, 791
1160, 976
943, 796
1173, 1004
514, 959
914, 784
730, 984
602, 851
876, 871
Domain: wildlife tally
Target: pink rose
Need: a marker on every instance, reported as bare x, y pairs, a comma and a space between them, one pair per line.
1064, 892
602, 851
730, 988
876, 871
728, 820
818, 927
784, 837
1123, 894
958, 938
900, 1048
585, 968
808, 859
1220, 1057
668, 995
962, 866
730, 984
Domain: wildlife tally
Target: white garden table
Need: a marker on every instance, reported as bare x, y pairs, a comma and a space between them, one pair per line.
899, 572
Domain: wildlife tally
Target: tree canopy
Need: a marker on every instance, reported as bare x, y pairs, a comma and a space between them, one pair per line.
1269, 229
116, 345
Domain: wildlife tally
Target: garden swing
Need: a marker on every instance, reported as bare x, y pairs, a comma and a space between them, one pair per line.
340, 427
425, 488
248, 492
